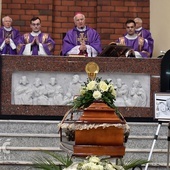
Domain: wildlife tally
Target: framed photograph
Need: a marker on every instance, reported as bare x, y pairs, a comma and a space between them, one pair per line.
162, 106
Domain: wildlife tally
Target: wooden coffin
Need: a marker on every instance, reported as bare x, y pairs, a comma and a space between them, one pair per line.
100, 141
100, 112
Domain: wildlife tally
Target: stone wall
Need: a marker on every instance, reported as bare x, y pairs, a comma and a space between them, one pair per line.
107, 17
108, 65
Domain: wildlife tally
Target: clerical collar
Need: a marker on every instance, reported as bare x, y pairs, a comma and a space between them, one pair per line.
8, 29
139, 29
131, 37
81, 30
35, 33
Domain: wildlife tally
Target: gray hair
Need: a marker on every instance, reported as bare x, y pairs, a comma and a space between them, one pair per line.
3, 19
138, 19
77, 14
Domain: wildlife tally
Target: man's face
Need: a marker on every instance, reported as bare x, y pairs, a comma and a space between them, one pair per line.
79, 21
7, 22
130, 28
35, 25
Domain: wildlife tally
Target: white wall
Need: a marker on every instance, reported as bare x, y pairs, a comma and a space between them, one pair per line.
160, 25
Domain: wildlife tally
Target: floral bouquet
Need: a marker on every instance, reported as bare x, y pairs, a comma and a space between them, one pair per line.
95, 90
95, 163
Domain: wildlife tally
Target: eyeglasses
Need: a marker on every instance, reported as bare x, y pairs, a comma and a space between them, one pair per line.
38, 24
130, 27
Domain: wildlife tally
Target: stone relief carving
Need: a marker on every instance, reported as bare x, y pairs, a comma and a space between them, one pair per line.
74, 85
23, 92
57, 88
54, 92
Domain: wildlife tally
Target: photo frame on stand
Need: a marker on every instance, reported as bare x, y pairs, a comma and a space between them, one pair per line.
162, 106
162, 113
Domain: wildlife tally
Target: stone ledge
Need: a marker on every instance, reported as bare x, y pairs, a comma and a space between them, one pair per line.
43, 135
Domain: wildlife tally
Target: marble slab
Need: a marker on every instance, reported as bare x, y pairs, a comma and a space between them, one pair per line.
147, 71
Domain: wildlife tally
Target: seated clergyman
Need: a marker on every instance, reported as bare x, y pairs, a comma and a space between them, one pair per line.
81, 40
36, 42
139, 46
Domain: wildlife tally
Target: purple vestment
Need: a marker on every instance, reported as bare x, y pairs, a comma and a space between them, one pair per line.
44, 38
147, 35
13, 35
134, 43
70, 40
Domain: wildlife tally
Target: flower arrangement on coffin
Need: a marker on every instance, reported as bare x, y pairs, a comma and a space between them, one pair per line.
96, 90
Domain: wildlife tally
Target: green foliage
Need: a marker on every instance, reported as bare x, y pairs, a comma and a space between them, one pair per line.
134, 162
104, 89
54, 161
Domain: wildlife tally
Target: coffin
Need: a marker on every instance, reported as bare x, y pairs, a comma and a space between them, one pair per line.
102, 132
100, 112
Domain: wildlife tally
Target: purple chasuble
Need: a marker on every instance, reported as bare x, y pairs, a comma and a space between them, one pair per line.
92, 38
134, 44
14, 35
147, 35
44, 39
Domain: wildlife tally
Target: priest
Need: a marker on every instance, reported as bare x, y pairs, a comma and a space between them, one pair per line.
36, 42
139, 46
81, 40
146, 34
8, 37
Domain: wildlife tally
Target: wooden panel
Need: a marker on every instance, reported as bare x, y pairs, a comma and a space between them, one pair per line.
100, 112
108, 136
84, 150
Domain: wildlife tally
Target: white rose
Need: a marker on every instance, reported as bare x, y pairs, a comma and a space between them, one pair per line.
97, 167
91, 85
112, 90
82, 91
88, 166
110, 167
103, 86
94, 159
97, 94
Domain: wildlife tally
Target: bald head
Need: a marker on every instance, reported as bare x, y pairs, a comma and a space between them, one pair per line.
138, 22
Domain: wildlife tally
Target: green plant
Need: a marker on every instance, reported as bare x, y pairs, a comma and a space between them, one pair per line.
53, 161
90, 163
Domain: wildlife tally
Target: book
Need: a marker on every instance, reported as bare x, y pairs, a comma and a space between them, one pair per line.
76, 55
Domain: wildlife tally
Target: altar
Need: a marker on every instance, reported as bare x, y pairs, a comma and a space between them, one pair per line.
19, 65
